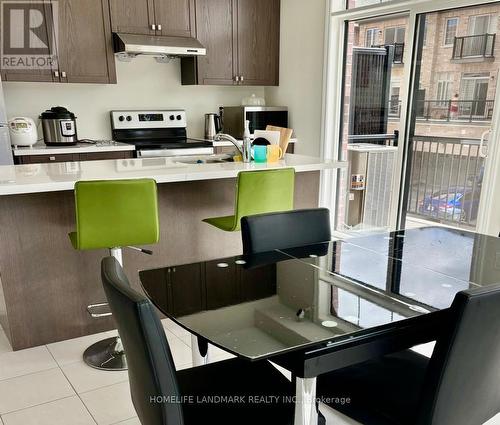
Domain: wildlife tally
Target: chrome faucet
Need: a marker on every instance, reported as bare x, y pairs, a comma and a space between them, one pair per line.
242, 147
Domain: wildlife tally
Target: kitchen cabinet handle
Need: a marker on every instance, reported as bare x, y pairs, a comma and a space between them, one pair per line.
237, 78
159, 27
63, 74
153, 27
241, 78
56, 74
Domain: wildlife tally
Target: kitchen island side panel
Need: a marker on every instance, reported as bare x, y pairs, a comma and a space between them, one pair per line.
47, 284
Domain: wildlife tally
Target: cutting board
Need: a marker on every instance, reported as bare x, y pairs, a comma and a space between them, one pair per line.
285, 136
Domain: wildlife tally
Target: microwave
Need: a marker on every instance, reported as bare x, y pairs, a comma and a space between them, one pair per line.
233, 118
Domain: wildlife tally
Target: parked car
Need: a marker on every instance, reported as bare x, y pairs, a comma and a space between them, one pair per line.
458, 204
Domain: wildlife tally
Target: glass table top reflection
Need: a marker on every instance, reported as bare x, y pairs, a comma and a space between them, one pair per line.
422, 267
267, 304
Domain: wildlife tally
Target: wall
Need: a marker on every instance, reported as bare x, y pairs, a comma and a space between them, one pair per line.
301, 71
142, 83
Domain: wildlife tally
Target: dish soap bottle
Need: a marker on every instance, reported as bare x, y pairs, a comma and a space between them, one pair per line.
247, 143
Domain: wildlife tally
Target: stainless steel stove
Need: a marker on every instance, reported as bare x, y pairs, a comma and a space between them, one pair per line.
157, 133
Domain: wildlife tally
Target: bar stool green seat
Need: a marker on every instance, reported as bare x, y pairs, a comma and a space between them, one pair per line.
258, 192
111, 214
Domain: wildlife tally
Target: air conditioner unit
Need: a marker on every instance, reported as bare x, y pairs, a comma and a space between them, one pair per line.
371, 173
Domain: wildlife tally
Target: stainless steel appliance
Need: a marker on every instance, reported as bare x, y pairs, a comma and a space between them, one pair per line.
234, 117
131, 45
59, 127
6, 157
212, 126
157, 133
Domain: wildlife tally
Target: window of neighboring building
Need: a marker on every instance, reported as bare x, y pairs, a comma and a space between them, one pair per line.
394, 35
371, 37
444, 85
480, 24
394, 102
474, 93
450, 31
424, 41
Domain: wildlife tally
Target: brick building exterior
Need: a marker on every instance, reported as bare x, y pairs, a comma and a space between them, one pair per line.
459, 68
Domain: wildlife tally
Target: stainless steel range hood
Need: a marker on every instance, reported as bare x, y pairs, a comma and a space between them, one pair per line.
131, 45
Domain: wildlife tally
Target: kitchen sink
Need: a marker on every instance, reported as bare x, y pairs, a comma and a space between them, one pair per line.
204, 159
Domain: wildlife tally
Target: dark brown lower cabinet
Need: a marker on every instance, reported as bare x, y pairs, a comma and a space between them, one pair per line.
185, 289
257, 283
221, 285
69, 157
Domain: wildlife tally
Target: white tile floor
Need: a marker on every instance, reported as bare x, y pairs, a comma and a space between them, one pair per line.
50, 385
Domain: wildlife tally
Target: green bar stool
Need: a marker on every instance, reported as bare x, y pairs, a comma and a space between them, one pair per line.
113, 214
258, 192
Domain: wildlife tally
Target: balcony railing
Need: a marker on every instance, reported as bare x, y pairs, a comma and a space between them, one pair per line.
474, 46
455, 110
445, 180
399, 51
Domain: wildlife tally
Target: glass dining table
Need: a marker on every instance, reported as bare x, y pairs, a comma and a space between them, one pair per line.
313, 309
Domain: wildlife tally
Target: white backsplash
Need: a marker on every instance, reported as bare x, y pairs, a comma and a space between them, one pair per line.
142, 84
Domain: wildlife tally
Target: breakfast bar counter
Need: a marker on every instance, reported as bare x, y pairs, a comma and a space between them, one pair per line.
47, 285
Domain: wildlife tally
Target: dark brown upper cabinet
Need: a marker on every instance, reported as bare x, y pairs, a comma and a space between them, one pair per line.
44, 32
83, 52
242, 40
153, 17
174, 17
85, 48
258, 41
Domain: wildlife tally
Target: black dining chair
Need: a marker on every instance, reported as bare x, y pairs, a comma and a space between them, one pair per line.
458, 385
282, 230
228, 392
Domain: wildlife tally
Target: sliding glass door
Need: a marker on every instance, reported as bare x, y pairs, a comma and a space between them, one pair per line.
417, 89
455, 83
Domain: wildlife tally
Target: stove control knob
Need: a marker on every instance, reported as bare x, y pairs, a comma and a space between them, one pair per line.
121, 118
129, 118
179, 117
172, 117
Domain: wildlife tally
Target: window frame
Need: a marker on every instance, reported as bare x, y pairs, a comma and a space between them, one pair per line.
374, 34
445, 31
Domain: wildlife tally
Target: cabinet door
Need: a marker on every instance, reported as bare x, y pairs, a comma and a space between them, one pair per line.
258, 27
99, 156
85, 51
132, 16
185, 289
221, 284
258, 283
176, 17
45, 34
214, 29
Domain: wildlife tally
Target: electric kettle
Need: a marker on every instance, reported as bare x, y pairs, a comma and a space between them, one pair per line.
213, 126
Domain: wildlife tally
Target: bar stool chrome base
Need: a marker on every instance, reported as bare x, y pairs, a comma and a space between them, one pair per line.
107, 354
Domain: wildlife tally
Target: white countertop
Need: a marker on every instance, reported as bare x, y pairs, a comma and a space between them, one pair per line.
36, 178
42, 149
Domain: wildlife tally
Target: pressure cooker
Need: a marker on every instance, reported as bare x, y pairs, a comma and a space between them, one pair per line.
59, 127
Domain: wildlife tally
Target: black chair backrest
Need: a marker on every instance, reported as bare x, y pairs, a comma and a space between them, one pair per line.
463, 381
151, 369
281, 230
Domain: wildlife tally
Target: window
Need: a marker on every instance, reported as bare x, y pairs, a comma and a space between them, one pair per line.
394, 107
480, 25
474, 93
395, 35
450, 31
371, 37
444, 85
424, 42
